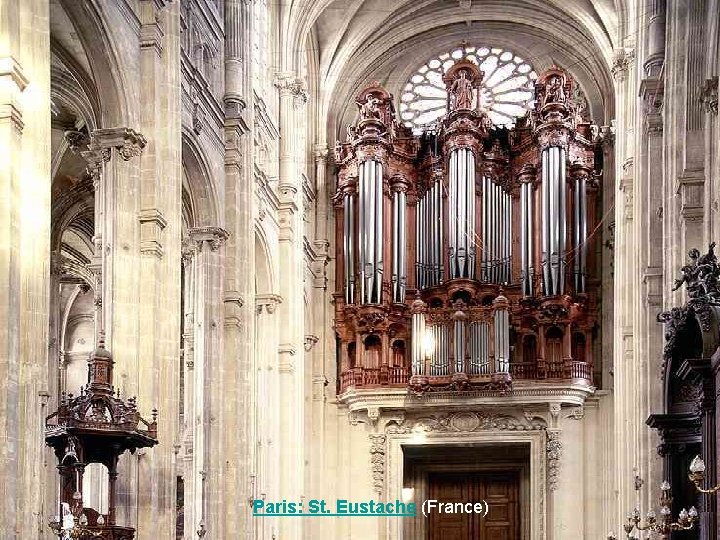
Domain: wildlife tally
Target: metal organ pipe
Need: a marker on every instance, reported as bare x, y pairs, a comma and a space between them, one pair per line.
580, 229
502, 341
379, 233
526, 237
349, 247
402, 245
554, 219
470, 219
459, 341
371, 209
418, 333
479, 360
371, 231
462, 212
483, 229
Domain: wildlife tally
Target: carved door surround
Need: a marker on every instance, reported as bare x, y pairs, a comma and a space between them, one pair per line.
473, 429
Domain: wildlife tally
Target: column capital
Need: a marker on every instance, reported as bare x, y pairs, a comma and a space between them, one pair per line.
213, 236
126, 141
320, 151
290, 84
622, 60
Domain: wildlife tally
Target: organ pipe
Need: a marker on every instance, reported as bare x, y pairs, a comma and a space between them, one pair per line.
580, 231
371, 231
461, 172
349, 247
554, 219
502, 341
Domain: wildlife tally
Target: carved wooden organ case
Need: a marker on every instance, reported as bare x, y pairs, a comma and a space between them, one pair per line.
465, 255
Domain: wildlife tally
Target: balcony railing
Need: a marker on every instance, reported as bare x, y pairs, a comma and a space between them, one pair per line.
519, 371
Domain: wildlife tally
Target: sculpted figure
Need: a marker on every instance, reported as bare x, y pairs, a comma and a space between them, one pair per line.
462, 91
370, 108
351, 133
554, 91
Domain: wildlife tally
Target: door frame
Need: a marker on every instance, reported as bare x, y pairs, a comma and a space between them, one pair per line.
418, 527
536, 513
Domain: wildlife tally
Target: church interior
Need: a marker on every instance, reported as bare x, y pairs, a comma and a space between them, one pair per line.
255, 252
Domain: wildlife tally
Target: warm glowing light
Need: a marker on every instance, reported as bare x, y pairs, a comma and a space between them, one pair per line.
428, 344
697, 465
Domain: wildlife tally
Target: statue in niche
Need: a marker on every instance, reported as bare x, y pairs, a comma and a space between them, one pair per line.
554, 91
370, 108
461, 93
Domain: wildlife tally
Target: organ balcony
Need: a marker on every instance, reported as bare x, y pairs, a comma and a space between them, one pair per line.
465, 255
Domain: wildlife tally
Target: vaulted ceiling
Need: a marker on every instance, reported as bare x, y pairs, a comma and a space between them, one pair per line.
359, 41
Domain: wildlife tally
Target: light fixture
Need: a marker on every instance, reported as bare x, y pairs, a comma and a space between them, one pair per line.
408, 494
697, 475
664, 525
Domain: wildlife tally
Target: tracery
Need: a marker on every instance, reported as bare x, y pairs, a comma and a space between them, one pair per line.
506, 91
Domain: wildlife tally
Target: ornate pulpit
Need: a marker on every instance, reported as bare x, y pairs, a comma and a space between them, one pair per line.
95, 427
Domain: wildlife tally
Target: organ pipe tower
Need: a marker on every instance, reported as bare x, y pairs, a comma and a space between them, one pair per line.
465, 258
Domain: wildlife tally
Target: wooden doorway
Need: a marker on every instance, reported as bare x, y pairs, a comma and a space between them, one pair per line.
499, 489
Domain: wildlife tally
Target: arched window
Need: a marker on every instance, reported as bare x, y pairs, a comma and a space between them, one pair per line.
372, 352
352, 359
578, 347
506, 92
553, 351
398, 353
530, 348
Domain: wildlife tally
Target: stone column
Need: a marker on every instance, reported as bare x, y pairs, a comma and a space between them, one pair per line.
206, 412
291, 354
649, 174
159, 220
627, 410
25, 184
233, 449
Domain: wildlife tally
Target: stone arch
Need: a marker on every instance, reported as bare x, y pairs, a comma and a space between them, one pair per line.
200, 200
264, 273
92, 23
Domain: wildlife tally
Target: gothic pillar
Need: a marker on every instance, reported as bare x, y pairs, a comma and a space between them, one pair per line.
155, 253
207, 402
627, 408
25, 186
291, 354
233, 451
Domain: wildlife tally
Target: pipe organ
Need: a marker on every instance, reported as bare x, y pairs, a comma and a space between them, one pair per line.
469, 246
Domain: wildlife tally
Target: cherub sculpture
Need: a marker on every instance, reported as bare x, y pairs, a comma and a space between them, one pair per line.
701, 275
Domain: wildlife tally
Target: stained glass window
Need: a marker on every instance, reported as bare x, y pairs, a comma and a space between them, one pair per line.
506, 91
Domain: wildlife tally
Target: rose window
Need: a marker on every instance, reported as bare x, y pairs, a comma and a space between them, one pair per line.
506, 92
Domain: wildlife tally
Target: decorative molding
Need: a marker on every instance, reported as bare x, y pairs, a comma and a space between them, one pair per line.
578, 413
554, 450
290, 85
152, 223
377, 461
213, 236
622, 60
310, 342
709, 95
267, 301
466, 422
126, 141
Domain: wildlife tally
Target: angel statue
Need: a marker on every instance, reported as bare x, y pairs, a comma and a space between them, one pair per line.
462, 92
370, 108
554, 91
